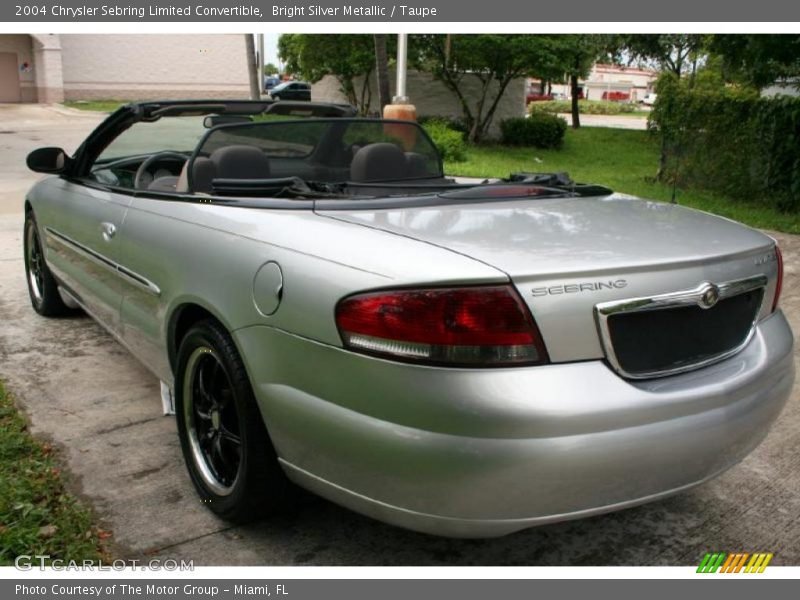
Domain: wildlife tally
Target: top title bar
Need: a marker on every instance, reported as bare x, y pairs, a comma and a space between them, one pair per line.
710, 11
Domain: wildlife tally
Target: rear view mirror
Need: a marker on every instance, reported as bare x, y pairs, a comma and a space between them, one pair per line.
48, 160
214, 120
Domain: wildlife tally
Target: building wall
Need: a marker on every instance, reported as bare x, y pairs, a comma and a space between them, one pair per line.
612, 78
147, 67
49, 73
431, 97
21, 46
782, 89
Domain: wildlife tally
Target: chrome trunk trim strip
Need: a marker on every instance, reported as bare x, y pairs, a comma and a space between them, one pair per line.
705, 296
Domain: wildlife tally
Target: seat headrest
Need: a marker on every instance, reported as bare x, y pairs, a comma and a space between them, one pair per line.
378, 162
240, 162
203, 173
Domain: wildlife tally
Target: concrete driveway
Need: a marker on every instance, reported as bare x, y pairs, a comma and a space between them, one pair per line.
613, 121
24, 127
89, 396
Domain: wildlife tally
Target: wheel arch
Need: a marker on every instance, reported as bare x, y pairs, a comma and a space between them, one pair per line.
183, 316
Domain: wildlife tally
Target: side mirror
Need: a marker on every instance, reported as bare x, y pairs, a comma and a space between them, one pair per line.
48, 160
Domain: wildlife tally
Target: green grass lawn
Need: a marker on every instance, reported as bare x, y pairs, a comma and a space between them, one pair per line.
37, 515
623, 160
96, 105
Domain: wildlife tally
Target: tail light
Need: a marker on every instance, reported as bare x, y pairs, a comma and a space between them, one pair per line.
469, 326
779, 281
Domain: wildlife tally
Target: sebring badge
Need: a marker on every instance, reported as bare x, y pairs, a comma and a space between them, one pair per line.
575, 288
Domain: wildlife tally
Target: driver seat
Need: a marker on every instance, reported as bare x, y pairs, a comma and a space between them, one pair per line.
229, 162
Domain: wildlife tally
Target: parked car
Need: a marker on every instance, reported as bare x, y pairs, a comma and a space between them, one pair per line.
649, 99
271, 82
464, 357
614, 96
291, 90
536, 97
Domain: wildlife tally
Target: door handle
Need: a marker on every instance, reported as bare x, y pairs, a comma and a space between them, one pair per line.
109, 231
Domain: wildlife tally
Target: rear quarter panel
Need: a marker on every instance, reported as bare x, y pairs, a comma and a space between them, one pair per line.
208, 255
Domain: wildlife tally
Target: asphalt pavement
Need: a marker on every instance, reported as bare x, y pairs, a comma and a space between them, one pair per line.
90, 397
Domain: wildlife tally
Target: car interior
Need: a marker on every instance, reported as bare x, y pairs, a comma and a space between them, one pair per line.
279, 156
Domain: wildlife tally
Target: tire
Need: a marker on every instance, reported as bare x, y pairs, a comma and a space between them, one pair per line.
42, 286
215, 406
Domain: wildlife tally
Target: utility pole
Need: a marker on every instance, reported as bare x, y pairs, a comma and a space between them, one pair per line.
401, 108
252, 67
402, 69
262, 60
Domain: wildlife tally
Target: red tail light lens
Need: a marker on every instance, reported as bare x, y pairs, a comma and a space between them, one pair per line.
779, 281
471, 326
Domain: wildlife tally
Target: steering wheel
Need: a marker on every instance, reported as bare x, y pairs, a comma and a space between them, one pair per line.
139, 182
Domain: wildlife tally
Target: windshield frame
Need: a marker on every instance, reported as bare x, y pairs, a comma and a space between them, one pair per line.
149, 129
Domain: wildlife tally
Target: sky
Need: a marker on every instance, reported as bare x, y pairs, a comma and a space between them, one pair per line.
271, 47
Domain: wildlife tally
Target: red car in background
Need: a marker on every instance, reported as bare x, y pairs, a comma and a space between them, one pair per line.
617, 96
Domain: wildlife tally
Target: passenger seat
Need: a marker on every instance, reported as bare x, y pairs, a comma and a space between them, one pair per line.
378, 162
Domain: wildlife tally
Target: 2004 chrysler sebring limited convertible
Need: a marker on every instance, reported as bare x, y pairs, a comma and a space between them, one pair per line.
462, 357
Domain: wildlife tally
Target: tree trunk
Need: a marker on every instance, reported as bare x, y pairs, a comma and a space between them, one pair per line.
476, 131
576, 113
382, 70
366, 96
661, 174
487, 119
252, 67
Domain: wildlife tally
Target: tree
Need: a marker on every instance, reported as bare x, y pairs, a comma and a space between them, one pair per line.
382, 69
759, 60
670, 51
347, 57
577, 54
271, 69
492, 61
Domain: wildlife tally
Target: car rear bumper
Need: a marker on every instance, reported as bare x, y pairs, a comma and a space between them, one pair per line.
481, 453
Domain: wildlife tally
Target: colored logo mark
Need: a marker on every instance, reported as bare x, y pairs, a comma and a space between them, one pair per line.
736, 562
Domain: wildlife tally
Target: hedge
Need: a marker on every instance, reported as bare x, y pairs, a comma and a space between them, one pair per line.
587, 107
539, 130
731, 141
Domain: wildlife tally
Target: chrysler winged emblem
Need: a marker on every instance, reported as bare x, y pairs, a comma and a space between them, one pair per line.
710, 296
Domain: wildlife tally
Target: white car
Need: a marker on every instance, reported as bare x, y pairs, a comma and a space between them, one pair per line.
649, 99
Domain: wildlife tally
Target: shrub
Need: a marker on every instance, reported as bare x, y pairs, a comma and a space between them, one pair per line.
730, 140
539, 129
453, 123
448, 141
587, 107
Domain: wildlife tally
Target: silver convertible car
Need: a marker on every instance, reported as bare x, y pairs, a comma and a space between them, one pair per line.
464, 357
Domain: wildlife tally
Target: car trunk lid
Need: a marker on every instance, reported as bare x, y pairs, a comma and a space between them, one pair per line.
567, 255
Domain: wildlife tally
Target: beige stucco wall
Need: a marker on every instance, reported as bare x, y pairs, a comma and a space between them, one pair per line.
146, 67
431, 97
21, 45
49, 73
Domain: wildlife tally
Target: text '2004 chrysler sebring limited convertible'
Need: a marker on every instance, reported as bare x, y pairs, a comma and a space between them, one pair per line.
457, 356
